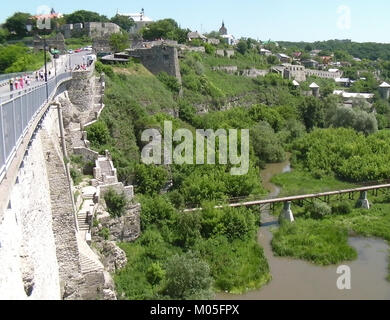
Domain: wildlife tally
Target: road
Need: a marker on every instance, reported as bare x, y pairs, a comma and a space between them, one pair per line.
56, 65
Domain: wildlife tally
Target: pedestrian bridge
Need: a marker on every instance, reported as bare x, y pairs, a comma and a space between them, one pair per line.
18, 111
324, 196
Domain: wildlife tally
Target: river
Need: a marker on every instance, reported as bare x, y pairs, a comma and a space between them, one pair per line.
298, 279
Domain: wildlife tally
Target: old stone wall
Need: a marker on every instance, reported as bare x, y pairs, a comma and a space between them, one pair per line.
159, 59
28, 256
64, 222
81, 90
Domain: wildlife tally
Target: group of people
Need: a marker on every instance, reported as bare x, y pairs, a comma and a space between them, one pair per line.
19, 83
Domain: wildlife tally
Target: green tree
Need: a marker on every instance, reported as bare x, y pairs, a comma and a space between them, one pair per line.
313, 113
159, 29
119, 41
266, 144
98, 134
188, 278
82, 16
4, 34
188, 228
17, 24
242, 47
116, 203
150, 179
155, 273
124, 22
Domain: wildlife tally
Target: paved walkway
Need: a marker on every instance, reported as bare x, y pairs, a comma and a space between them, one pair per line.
60, 65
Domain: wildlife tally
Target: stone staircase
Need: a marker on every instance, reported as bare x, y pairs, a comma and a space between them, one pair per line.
88, 265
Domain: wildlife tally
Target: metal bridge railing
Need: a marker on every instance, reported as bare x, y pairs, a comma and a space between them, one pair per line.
18, 110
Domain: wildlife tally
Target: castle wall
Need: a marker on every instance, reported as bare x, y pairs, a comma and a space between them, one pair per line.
28, 257
159, 59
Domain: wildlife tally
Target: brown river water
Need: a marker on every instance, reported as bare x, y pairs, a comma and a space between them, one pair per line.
297, 279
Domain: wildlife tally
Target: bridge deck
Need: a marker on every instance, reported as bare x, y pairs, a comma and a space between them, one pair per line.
295, 198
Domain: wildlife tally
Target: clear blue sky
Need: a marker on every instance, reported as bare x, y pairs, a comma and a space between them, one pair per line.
300, 20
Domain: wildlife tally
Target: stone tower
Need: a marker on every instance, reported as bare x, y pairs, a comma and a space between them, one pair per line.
315, 89
223, 30
384, 90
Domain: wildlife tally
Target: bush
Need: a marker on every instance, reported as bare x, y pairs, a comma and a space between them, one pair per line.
105, 233
98, 134
342, 207
76, 176
155, 274
116, 203
317, 210
169, 81
188, 277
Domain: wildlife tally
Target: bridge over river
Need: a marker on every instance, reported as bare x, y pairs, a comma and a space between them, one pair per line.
324, 196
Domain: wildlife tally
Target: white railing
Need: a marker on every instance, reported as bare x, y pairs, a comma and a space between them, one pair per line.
18, 111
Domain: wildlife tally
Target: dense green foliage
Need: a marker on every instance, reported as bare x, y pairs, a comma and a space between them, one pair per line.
16, 24
165, 29
317, 241
19, 58
344, 152
365, 50
116, 203
119, 41
82, 16
124, 22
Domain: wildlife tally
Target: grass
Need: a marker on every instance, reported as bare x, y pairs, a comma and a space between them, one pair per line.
76, 43
324, 241
144, 88
316, 241
299, 182
236, 266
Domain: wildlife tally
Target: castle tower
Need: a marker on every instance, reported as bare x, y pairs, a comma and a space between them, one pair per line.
384, 90
223, 30
315, 90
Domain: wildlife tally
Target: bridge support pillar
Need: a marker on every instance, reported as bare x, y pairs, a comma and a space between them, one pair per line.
287, 213
363, 201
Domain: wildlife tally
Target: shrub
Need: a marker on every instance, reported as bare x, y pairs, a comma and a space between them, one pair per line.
116, 203
75, 175
104, 233
169, 81
342, 207
98, 133
188, 277
317, 210
155, 274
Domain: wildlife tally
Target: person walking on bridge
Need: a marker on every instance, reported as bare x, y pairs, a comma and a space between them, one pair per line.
11, 84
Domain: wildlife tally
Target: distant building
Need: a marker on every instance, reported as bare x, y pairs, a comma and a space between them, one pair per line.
196, 35
310, 64
223, 31
265, 52
140, 20
51, 15
294, 72
229, 39
283, 58
101, 29
90, 29
314, 53
384, 90
346, 82
351, 95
